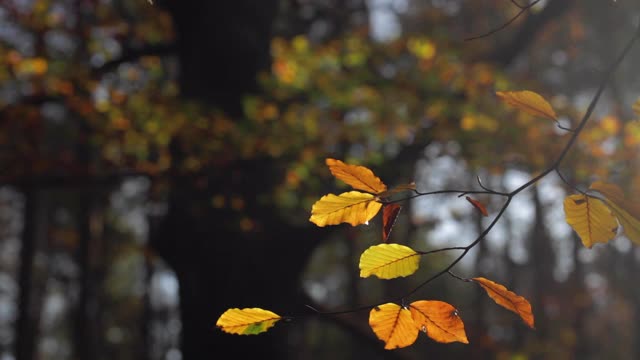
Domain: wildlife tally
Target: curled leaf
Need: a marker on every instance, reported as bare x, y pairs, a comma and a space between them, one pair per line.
352, 207
248, 321
359, 177
590, 218
478, 205
394, 325
529, 102
626, 210
389, 261
439, 320
389, 215
507, 299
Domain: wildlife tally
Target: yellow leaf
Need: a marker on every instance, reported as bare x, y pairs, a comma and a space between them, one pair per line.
529, 102
351, 207
626, 210
507, 299
359, 177
389, 261
394, 325
590, 218
248, 321
439, 320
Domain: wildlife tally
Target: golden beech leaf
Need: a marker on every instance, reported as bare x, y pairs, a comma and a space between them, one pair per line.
389, 215
590, 218
439, 320
626, 210
507, 299
529, 102
352, 207
394, 325
478, 205
248, 321
389, 261
359, 177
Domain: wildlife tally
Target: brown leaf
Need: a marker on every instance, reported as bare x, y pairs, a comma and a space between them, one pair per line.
389, 215
507, 299
478, 205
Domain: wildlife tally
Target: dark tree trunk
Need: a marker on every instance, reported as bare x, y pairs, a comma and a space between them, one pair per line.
222, 45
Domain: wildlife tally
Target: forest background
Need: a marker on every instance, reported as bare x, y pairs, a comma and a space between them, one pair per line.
159, 161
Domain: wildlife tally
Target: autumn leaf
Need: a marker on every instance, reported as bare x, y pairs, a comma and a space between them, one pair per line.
389, 261
507, 299
439, 320
359, 177
248, 321
352, 207
626, 210
529, 102
394, 325
389, 215
478, 205
590, 218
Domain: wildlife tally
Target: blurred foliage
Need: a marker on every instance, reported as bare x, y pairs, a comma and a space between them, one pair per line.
70, 106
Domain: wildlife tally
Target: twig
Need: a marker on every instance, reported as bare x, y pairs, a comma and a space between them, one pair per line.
522, 11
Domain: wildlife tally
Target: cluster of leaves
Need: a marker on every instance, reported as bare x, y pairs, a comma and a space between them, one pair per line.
397, 325
597, 217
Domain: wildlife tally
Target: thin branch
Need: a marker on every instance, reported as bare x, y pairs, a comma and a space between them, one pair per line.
523, 9
568, 183
553, 167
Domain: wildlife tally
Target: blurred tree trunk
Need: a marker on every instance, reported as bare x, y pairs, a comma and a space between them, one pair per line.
26, 326
221, 48
542, 262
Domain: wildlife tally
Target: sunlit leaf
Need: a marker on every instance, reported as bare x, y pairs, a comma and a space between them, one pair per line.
359, 177
478, 205
626, 210
590, 218
439, 320
352, 207
529, 102
248, 321
507, 299
394, 325
389, 261
389, 215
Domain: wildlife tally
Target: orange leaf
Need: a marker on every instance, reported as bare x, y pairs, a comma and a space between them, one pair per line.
389, 216
529, 102
439, 320
478, 205
394, 325
359, 177
507, 299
